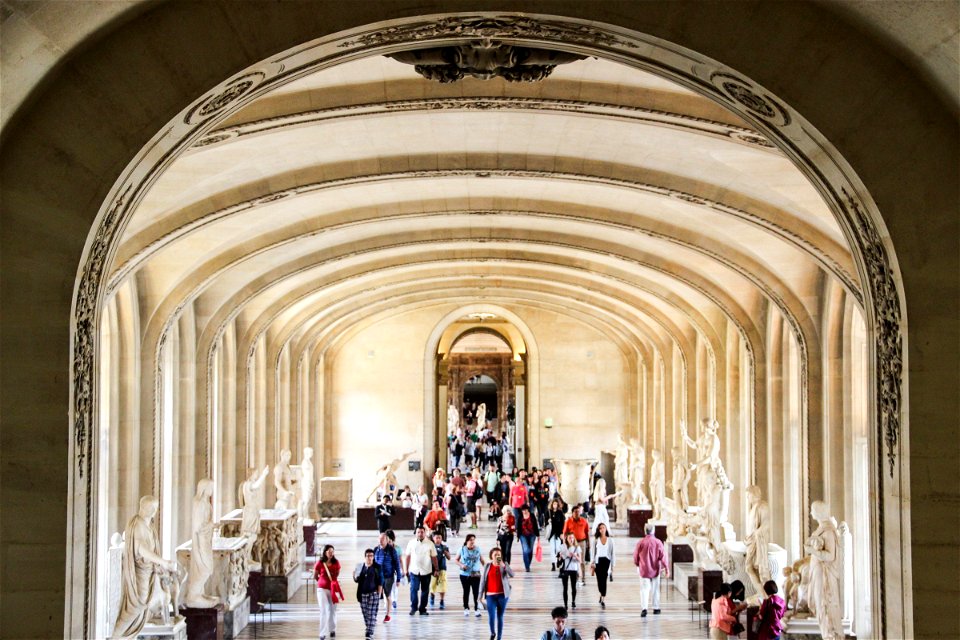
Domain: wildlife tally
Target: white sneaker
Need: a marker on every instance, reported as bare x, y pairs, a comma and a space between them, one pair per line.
477, 613
466, 612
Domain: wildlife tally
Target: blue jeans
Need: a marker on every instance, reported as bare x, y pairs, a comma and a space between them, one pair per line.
419, 592
528, 543
496, 605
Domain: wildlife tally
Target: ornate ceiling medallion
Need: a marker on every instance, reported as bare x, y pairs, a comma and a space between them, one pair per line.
485, 59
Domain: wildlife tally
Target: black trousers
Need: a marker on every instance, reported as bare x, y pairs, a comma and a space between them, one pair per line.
470, 583
570, 578
506, 543
603, 569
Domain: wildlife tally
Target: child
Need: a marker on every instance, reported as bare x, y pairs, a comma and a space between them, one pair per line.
771, 613
438, 583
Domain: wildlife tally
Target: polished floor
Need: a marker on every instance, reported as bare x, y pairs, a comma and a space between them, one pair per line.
528, 612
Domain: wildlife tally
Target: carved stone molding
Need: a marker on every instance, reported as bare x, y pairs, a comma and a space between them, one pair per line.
485, 59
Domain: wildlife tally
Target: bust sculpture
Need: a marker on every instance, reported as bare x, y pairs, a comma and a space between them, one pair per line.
149, 582
307, 484
251, 499
201, 549
824, 595
283, 481
657, 482
758, 538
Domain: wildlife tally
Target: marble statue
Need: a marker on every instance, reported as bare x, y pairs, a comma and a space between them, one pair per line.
680, 479
657, 484
251, 500
824, 593
621, 478
758, 538
796, 581
283, 481
482, 416
453, 419
201, 550
638, 465
387, 475
150, 583
713, 485
307, 484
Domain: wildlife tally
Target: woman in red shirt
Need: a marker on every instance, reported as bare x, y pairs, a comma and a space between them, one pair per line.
326, 572
495, 589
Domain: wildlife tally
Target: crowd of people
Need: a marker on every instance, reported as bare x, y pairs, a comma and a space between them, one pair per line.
527, 508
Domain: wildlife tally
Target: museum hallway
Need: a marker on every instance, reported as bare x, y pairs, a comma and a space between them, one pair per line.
528, 613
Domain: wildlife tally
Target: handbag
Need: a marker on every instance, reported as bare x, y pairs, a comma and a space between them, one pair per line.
336, 591
538, 551
737, 628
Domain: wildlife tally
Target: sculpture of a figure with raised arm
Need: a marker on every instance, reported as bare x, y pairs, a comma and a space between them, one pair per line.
201, 549
657, 482
251, 500
283, 481
307, 484
638, 466
758, 538
387, 475
143, 596
824, 594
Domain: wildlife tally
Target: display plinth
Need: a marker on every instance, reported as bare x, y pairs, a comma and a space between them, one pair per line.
255, 590
204, 623
282, 588
660, 530
685, 579
278, 547
678, 551
737, 551
637, 517
310, 537
236, 619
804, 628
401, 520
174, 631
336, 497
709, 580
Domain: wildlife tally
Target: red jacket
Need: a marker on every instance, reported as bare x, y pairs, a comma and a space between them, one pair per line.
323, 580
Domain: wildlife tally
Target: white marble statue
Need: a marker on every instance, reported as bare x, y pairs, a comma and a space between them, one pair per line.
453, 419
681, 479
307, 484
657, 484
638, 466
824, 593
150, 583
387, 475
713, 485
621, 478
481, 416
201, 549
283, 481
251, 500
758, 538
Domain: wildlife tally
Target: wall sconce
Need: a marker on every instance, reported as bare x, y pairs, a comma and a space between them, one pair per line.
547, 423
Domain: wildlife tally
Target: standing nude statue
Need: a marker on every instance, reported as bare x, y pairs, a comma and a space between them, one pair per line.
201, 548
681, 479
387, 474
283, 481
657, 482
307, 484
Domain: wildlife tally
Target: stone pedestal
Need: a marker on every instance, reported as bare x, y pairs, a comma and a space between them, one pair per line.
776, 559
637, 517
808, 628
575, 479
686, 579
660, 530
279, 549
255, 590
336, 497
310, 537
752, 613
402, 519
175, 631
204, 624
230, 571
678, 551
708, 582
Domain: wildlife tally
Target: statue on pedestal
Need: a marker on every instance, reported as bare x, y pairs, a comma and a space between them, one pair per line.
758, 538
150, 584
824, 594
283, 481
453, 419
387, 475
251, 499
201, 549
481, 416
307, 484
680, 479
638, 465
796, 581
657, 482
621, 478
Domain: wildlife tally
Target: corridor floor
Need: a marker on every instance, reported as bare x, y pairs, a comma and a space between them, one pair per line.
528, 612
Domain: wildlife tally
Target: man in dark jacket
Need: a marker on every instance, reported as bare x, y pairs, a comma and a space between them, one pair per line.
369, 581
388, 559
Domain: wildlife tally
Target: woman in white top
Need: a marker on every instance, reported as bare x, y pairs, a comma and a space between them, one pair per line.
602, 560
600, 500
569, 560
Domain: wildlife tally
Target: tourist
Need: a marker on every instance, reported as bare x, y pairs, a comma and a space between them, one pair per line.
542, 498
580, 529
601, 633
560, 630
602, 561
556, 520
420, 564
436, 519
439, 478
501, 493
474, 491
369, 581
722, 614
387, 558
420, 501
326, 572
383, 512
457, 452
518, 496
506, 527
648, 556
457, 479
569, 560
770, 616
490, 486
528, 531
495, 590
455, 509
470, 560
469, 449
438, 583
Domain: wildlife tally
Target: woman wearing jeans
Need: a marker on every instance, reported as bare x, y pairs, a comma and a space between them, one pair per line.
495, 589
569, 560
529, 531
603, 560
470, 560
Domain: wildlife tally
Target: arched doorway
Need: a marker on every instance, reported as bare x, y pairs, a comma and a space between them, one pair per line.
750, 101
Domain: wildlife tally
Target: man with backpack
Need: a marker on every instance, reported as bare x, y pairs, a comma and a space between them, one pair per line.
560, 630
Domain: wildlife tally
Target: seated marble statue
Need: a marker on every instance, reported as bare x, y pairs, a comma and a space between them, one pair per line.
149, 583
